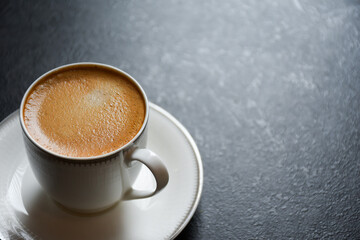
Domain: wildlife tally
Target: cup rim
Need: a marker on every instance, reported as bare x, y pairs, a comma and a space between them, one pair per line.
92, 158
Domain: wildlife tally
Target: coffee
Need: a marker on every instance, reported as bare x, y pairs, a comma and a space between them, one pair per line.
84, 111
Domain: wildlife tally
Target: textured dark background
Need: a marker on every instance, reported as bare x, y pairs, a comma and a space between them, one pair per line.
269, 90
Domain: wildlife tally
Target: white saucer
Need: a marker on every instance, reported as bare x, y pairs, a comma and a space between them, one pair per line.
27, 213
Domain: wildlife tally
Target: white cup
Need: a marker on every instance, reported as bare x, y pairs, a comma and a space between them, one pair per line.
92, 184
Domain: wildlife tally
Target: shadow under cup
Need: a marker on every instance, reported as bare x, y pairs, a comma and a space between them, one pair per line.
92, 184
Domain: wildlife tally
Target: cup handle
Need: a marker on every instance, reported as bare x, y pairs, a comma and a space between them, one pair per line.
156, 166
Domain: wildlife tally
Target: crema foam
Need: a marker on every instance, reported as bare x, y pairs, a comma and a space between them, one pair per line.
84, 112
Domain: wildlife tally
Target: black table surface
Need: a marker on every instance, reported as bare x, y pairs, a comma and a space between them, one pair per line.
269, 91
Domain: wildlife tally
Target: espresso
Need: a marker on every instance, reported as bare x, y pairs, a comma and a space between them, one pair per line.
84, 111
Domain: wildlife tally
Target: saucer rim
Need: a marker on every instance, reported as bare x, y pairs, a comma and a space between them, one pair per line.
197, 155
199, 164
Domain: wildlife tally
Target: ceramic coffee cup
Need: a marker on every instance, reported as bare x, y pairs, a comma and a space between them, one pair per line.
92, 184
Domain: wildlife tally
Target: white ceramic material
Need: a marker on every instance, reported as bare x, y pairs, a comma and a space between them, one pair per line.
92, 184
26, 212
